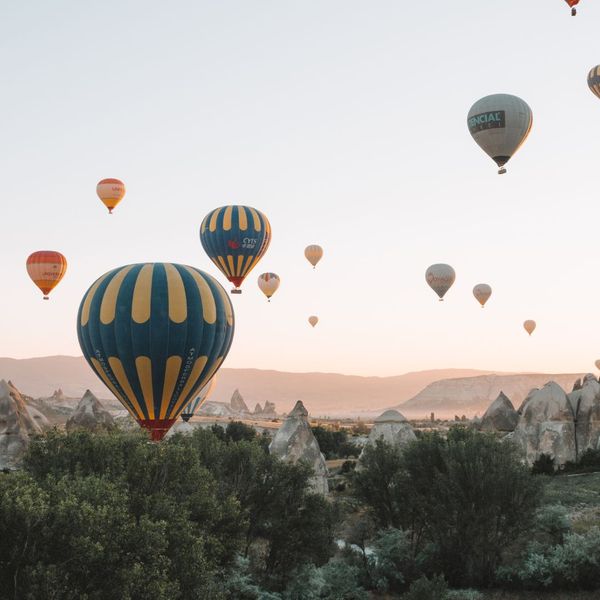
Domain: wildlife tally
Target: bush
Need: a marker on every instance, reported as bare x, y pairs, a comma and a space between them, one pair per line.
544, 465
464, 595
427, 589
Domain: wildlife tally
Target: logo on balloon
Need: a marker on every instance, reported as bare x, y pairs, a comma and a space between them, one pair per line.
249, 243
233, 244
489, 120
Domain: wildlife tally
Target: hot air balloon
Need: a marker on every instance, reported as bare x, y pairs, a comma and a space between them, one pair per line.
482, 293
155, 334
203, 395
313, 320
500, 123
268, 284
235, 239
313, 254
529, 326
111, 192
46, 268
440, 279
593, 80
572, 4
597, 363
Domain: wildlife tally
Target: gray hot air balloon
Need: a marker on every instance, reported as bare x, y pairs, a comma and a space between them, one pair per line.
500, 123
482, 293
594, 80
440, 278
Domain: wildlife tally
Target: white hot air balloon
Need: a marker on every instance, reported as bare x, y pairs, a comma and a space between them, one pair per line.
313, 320
529, 326
314, 254
482, 293
597, 363
500, 123
268, 284
440, 278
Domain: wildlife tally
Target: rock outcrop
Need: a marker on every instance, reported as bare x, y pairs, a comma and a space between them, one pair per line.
257, 409
393, 428
500, 416
585, 404
237, 403
182, 427
90, 415
38, 417
295, 441
547, 425
16, 426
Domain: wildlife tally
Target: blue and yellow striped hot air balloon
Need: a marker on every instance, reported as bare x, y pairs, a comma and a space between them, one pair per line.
155, 334
235, 239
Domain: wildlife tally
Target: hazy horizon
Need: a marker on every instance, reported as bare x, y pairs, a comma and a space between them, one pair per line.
345, 123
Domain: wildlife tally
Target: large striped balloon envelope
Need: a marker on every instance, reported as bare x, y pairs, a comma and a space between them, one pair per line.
235, 239
155, 334
46, 268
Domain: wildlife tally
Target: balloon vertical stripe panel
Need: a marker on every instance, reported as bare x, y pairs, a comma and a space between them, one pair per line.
235, 239
155, 334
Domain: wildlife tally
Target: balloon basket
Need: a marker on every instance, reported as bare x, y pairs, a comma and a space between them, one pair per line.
501, 171
46, 298
573, 12
157, 427
236, 291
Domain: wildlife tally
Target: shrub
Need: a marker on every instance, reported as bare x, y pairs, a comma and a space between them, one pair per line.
427, 589
544, 465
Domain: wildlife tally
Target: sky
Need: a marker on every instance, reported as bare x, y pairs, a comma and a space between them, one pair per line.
344, 121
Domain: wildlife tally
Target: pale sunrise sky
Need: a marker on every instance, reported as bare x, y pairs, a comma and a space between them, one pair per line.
344, 121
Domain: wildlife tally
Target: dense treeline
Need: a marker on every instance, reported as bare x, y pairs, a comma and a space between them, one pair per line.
214, 516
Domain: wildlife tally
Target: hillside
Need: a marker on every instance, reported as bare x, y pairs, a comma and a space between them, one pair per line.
473, 395
322, 393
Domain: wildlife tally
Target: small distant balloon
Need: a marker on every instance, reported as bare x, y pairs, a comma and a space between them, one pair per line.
314, 254
597, 363
593, 81
268, 284
313, 320
111, 192
46, 268
572, 4
500, 124
482, 293
529, 326
440, 278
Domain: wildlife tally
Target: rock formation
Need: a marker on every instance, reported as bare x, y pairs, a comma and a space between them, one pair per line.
90, 415
393, 428
257, 409
500, 416
585, 404
38, 417
182, 427
16, 426
547, 425
237, 403
294, 442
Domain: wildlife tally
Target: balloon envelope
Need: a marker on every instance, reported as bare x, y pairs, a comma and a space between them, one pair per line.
46, 268
111, 192
440, 278
313, 320
235, 239
268, 284
572, 4
500, 123
593, 81
597, 363
203, 396
155, 334
314, 254
529, 326
482, 293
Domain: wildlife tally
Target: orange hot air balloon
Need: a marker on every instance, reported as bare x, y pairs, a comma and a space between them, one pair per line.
111, 192
46, 268
572, 4
529, 326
